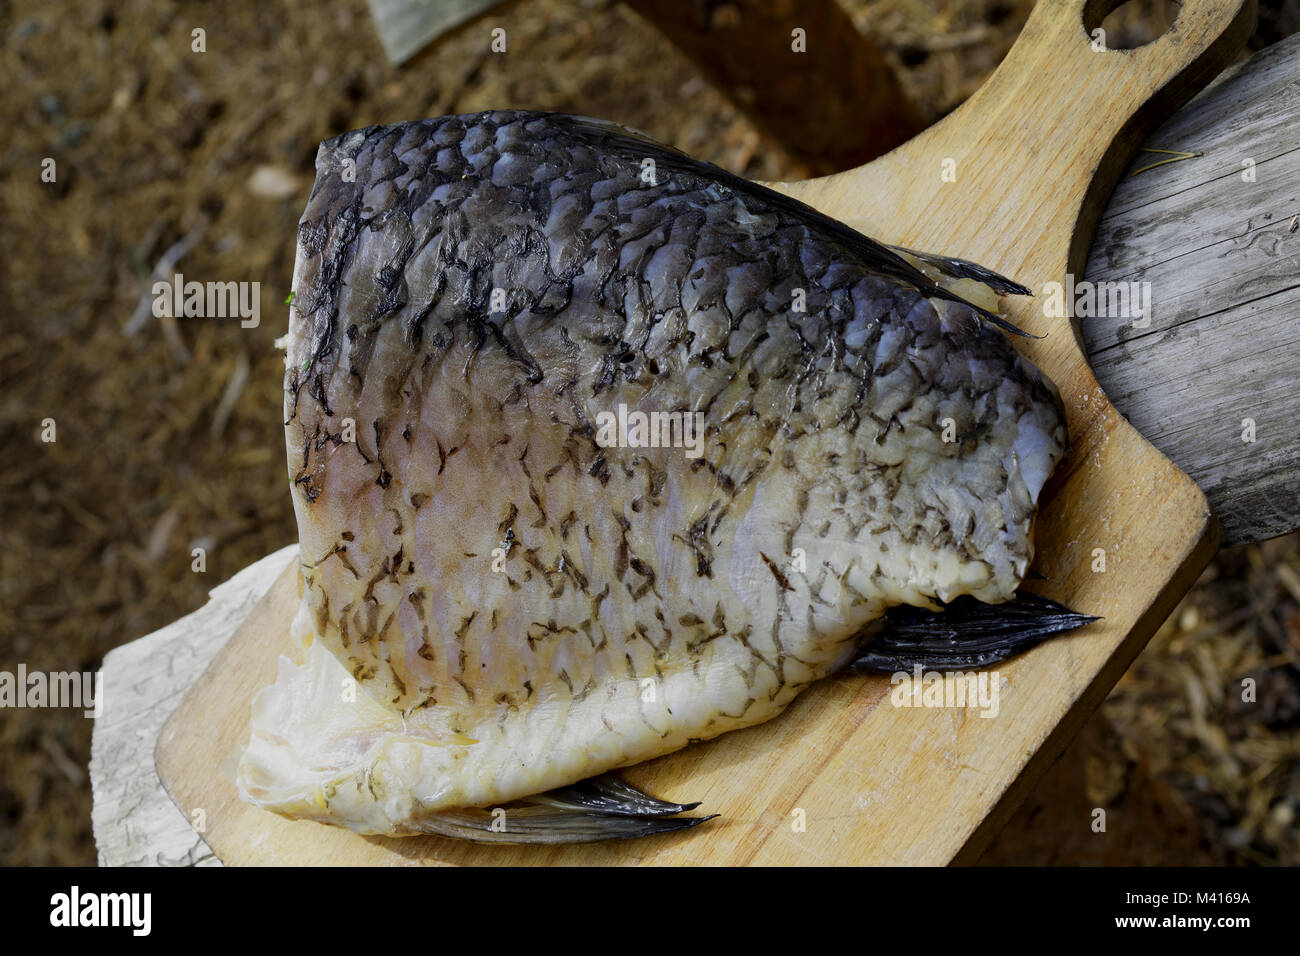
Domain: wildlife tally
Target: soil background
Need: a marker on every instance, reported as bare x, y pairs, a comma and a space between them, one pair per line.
169, 432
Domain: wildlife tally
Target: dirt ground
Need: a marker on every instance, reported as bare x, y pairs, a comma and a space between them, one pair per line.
169, 431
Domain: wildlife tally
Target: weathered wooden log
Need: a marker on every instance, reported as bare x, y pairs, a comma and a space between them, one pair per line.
135, 822
1212, 376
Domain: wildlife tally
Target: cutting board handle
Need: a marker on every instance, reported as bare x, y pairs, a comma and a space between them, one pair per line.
1064, 29
1055, 52
1016, 177
1059, 85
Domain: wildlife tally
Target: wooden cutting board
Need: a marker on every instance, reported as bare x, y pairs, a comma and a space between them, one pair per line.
844, 776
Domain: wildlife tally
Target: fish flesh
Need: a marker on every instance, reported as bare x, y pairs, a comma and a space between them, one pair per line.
597, 450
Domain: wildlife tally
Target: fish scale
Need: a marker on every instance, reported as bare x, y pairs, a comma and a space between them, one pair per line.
524, 608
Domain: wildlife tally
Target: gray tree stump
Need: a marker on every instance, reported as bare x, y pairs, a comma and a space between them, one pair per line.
1218, 239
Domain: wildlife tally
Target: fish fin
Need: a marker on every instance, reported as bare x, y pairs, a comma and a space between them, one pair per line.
608, 794
618, 140
602, 808
966, 633
965, 269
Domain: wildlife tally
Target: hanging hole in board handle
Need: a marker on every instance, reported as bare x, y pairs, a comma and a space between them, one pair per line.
1127, 24
1107, 25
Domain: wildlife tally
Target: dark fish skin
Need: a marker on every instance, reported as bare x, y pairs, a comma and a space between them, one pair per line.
624, 272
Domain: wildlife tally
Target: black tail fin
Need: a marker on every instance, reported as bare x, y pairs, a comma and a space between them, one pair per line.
601, 808
966, 634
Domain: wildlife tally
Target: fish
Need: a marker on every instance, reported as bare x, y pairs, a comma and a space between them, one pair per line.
597, 451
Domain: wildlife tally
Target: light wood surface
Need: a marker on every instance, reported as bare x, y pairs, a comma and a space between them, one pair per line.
1036, 151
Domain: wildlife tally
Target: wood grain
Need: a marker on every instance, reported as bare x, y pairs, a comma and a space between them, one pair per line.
1036, 150
1215, 240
